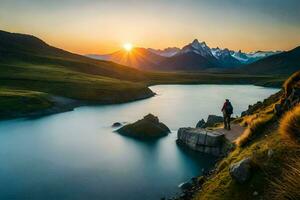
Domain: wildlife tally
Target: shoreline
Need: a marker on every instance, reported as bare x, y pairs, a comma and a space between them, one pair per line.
63, 104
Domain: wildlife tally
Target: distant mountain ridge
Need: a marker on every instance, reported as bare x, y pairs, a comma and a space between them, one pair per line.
140, 58
282, 63
202, 49
194, 56
167, 52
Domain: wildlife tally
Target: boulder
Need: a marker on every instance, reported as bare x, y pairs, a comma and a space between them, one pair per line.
116, 124
212, 120
241, 171
147, 128
270, 153
185, 186
201, 124
278, 110
206, 141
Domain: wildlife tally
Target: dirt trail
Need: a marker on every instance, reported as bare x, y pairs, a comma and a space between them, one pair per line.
234, 133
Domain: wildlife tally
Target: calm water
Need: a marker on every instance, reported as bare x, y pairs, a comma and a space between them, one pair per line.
75, 155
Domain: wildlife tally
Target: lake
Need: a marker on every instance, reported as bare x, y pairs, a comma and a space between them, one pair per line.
76, 155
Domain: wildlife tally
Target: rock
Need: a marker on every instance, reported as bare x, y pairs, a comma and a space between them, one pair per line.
244, 113
201, 180
270, 153
212, 120
241, 171
255, 193
201, 124
147, 128
116, 124
185, 186
278, 109
202, 140
151, 118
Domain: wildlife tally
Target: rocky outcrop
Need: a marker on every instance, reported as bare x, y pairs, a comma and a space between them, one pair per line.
206, 141
147, 128
261, 105
241, 171
211, 121
200, 124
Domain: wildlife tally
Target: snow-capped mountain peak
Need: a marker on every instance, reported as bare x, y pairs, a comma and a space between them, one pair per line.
222, 55
198, 45
251, 57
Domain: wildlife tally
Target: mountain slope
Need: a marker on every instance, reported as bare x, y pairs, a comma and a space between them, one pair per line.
167, 52
282, 63
140, 58
18, 48
225, 59
192, 57
189, 61
248, 58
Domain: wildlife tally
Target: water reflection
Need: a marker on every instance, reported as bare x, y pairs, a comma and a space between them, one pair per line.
76, 155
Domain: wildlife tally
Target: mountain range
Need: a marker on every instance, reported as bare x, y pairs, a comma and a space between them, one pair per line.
192, 57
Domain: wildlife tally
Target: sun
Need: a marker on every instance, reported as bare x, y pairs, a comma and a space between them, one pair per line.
127, 46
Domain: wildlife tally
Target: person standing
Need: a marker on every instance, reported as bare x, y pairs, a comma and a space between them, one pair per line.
227, 110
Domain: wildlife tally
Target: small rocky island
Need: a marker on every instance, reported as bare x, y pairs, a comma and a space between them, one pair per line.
147, 128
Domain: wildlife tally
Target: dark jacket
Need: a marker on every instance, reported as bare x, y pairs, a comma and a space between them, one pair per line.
227, 108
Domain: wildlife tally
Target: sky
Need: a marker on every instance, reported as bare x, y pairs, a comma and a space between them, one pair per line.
103, 26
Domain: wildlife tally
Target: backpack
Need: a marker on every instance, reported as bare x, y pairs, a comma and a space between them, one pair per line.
229, 108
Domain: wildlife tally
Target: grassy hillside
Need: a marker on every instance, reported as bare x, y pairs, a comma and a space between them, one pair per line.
22, 102
272, 141
30, 65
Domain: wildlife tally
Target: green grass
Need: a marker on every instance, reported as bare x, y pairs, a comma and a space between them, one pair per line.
61, 81
20, 102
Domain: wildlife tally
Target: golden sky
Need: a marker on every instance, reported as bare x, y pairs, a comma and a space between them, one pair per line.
102, 26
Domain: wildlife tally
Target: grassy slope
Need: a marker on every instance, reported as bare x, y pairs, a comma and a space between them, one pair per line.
22, 101
58, 80
29, 64
47, 80
268, 170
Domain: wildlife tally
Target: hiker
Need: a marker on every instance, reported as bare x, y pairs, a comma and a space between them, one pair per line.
227, 110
